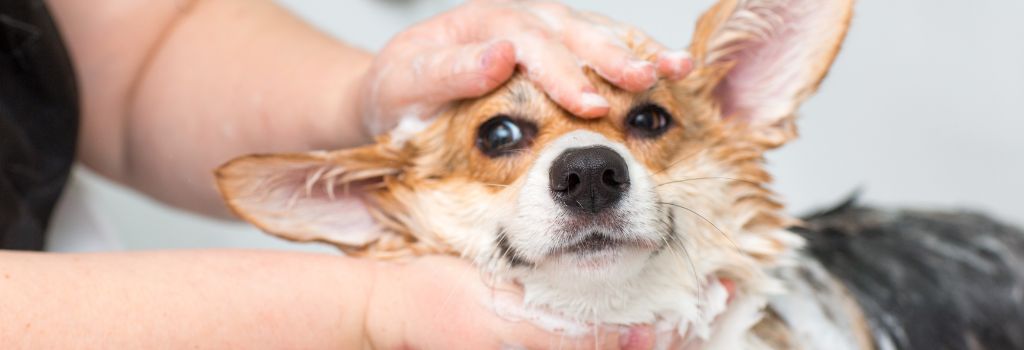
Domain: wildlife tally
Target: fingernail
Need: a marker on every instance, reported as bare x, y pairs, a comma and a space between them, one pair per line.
680, 63
591, 100
642, 66
491, 53
676, 55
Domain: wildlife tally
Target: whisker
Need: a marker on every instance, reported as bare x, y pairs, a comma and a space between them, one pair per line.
693, 268
495, 185
689, 260
503, 261
678, 161
705, 220
708, 178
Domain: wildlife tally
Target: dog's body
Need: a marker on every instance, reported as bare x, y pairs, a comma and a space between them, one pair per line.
659, 213
925, 280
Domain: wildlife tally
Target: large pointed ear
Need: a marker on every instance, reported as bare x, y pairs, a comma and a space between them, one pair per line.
316, 196
767, 56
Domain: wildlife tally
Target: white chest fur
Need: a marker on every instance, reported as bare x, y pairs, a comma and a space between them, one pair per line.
664, 293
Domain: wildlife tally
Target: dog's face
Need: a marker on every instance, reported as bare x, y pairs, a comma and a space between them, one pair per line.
671, 180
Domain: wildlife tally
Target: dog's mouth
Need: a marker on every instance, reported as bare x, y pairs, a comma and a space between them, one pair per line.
593, 242
597, 242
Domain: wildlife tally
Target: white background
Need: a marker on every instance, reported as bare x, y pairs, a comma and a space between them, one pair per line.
924, 107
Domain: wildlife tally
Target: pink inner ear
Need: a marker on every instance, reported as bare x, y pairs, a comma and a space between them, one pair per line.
304, 210
780, 50
301, 201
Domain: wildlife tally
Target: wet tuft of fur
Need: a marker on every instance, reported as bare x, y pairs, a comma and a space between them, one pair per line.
926, 279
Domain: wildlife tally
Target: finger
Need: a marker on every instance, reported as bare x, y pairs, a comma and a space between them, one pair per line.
526, 335
674, 65
457, 72
638, 338
519, 326
619, 52
671, 64
464, 72
609, 56
551, 65
533, 329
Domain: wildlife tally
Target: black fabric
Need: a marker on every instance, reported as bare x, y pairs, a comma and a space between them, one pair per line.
38, 122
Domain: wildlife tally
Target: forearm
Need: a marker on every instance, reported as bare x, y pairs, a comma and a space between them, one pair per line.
171, 89
201, 299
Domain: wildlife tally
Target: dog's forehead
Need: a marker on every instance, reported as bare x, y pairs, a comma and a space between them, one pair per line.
525, 99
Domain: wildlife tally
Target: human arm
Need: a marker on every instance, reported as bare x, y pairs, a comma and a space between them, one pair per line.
206, 299
254, 299
172, 88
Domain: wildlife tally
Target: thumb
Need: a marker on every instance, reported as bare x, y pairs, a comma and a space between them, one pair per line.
420, 85
463, 71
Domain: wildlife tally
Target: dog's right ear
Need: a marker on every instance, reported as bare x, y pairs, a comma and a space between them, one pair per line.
315, 196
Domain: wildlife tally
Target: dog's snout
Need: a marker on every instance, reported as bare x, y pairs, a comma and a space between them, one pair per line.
589, 179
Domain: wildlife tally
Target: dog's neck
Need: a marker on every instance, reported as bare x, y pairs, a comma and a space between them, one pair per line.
658, 291
693, 302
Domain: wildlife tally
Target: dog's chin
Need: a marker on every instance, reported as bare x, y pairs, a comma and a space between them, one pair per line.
598, 253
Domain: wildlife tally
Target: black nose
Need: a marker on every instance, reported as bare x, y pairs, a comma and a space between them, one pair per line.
589, 179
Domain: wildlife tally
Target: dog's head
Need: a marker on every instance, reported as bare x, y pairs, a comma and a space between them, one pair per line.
669, 189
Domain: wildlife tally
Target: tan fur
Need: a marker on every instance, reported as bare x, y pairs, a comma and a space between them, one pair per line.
712, 166
773, 332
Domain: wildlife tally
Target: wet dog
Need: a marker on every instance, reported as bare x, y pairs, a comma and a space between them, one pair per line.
661, 212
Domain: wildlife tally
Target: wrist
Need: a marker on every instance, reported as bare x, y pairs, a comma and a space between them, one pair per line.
353, 283
341, 126
381, 326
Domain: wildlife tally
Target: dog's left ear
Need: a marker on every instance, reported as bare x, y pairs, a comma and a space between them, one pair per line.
315, 196
765, 57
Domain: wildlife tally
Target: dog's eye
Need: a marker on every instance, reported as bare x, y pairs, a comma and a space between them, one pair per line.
648, 121
502, 135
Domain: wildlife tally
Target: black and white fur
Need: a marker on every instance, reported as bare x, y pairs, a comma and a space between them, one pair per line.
922, 279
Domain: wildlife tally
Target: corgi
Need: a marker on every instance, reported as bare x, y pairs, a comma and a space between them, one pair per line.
660, 213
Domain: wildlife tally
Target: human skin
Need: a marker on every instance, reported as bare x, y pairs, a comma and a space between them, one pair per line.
172, 88
250, 299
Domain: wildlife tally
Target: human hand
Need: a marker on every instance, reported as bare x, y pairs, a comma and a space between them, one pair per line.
441, 303
474, 48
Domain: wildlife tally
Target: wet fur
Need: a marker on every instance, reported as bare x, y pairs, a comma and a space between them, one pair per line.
713, 211
926, 279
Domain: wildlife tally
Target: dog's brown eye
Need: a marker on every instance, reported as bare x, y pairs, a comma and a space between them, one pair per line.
648, 121
502, 136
